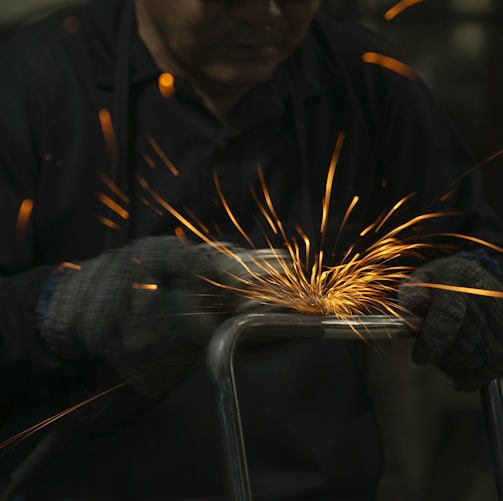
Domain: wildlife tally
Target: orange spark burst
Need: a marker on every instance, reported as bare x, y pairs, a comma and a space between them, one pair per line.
390, 64
399, 8
23, 216
360, 283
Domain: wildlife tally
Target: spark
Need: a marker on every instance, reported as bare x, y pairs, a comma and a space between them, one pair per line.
14, 440
149, 161
157, 211
399, 8
180, 233
166, 84
146, 287
494, 156
114, 188
169, 164
457, 288
113, 205
329, 183
23, 216
107, 129
108, 222
72, 266
390, 64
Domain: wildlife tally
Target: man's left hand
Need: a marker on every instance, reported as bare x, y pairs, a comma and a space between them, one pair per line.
462, 333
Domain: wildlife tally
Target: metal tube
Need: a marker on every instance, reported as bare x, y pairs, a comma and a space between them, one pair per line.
227, 337
492, 402
221, 352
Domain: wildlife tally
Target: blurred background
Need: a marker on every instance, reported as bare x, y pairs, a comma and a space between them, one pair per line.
435, 439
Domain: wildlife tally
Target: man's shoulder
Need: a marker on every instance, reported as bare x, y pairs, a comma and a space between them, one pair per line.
347, 44
65, 43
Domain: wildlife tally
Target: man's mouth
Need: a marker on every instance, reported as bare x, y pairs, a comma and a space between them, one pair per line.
251, 50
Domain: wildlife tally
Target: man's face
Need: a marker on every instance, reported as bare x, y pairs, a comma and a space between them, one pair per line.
228, 42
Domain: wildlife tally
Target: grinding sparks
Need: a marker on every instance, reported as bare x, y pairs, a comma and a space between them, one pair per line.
361, 283
299, 279
390, 64
399, 8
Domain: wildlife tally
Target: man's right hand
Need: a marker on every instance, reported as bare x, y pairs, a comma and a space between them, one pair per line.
147, 308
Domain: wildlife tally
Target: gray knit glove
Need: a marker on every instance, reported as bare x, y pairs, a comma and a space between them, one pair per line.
462, 333
143, 307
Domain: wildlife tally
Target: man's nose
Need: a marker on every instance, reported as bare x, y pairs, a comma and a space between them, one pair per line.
256, 11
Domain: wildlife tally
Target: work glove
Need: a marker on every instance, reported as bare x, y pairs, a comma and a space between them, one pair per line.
145, 308
461, 333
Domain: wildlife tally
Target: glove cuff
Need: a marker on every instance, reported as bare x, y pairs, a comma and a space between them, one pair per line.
487, 262
54, 326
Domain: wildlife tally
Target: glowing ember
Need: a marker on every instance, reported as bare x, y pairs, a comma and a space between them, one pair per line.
399, 8
113, 205
390, 64
145, 287
109, 223
166, 84
108, 131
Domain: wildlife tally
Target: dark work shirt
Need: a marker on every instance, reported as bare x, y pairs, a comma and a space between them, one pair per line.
309, 429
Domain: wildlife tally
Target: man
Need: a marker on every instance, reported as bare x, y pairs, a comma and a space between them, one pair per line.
97, 151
